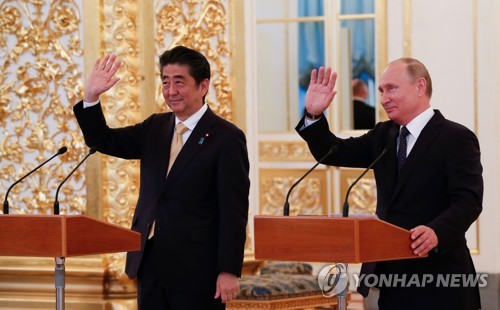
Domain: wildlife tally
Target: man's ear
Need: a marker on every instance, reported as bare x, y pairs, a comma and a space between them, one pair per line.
421, 86
204, 86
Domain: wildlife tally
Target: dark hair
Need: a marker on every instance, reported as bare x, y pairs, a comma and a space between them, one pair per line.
359, 88
198, 65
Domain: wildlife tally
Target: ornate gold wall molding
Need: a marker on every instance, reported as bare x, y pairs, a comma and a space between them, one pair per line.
202, 25
363, 196
122, 106
39, 81
308, 198
284, 151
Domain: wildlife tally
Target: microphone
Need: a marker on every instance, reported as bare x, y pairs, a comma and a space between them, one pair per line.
345, 209
286, 207
56, 202
6, 202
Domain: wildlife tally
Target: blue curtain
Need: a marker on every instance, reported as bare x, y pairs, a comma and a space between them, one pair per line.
311, 45
363, 43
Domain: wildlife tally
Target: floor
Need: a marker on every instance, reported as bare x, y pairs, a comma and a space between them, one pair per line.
356, 303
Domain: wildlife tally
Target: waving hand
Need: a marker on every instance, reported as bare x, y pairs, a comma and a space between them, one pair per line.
321, 91
101, 78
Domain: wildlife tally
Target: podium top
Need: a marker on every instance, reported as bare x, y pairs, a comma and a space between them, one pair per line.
63, 236
329, 239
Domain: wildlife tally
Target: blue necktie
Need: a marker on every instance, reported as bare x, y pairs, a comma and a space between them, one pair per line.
402, 147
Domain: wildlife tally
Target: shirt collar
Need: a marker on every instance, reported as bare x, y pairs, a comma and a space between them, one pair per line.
191, 121
417, 124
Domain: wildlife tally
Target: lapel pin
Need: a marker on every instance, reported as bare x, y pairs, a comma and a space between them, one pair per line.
202, 139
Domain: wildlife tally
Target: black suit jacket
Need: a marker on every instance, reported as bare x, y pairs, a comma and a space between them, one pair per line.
364, 115
201, 208
440, 185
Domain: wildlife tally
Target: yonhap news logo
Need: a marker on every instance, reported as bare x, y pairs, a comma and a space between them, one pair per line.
421, 280
333, 279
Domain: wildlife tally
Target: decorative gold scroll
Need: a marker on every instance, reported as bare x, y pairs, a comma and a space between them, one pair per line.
204, 26
40, 80
284, 151
307, 198
122, 107
201, 25
363, 196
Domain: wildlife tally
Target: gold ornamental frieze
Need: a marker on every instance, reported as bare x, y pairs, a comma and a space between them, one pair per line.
122, 106
40, 79
201, 25
204, 26
363, 196
307, 198
284, 151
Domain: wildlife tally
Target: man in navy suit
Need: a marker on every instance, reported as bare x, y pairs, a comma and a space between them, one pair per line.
192, 214
429, 181
364, 115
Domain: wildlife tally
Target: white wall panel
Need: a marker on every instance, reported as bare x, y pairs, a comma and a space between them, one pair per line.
442, 38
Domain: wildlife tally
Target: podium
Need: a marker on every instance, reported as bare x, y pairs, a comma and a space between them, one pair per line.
330, 239
62, 236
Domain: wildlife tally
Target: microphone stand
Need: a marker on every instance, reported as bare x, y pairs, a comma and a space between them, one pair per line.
286, 207
56, 202
62, 150
60, 270
345, 208
342, 296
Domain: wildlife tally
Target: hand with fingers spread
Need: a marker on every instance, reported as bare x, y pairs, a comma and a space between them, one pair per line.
321, 90
227, 287
101, 78
424, 239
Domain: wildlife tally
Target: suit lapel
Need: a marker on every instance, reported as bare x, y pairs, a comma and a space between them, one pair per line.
196, 142
390, 168
165, 133
421, 147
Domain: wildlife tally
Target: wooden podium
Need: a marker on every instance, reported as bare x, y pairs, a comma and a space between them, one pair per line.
62, 236
330, 239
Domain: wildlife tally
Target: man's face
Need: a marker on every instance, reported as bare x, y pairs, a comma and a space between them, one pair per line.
180, 91
399, 95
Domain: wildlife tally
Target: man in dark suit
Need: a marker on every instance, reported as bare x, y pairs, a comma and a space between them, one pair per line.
364, 115
192, 210
429, 181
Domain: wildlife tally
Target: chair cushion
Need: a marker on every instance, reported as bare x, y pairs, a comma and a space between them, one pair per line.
277, 286
286, 268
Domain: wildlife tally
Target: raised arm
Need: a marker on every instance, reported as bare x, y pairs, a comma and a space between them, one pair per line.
101, 78
321, 90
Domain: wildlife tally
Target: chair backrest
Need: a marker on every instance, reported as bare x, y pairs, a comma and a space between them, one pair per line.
286, 268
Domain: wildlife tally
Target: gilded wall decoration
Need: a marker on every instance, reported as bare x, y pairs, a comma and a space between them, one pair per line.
284, 151
202, 25
363, 196
122, 107
40, 79
307, 198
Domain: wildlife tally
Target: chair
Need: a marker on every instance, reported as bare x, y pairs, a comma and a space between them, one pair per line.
281, 285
